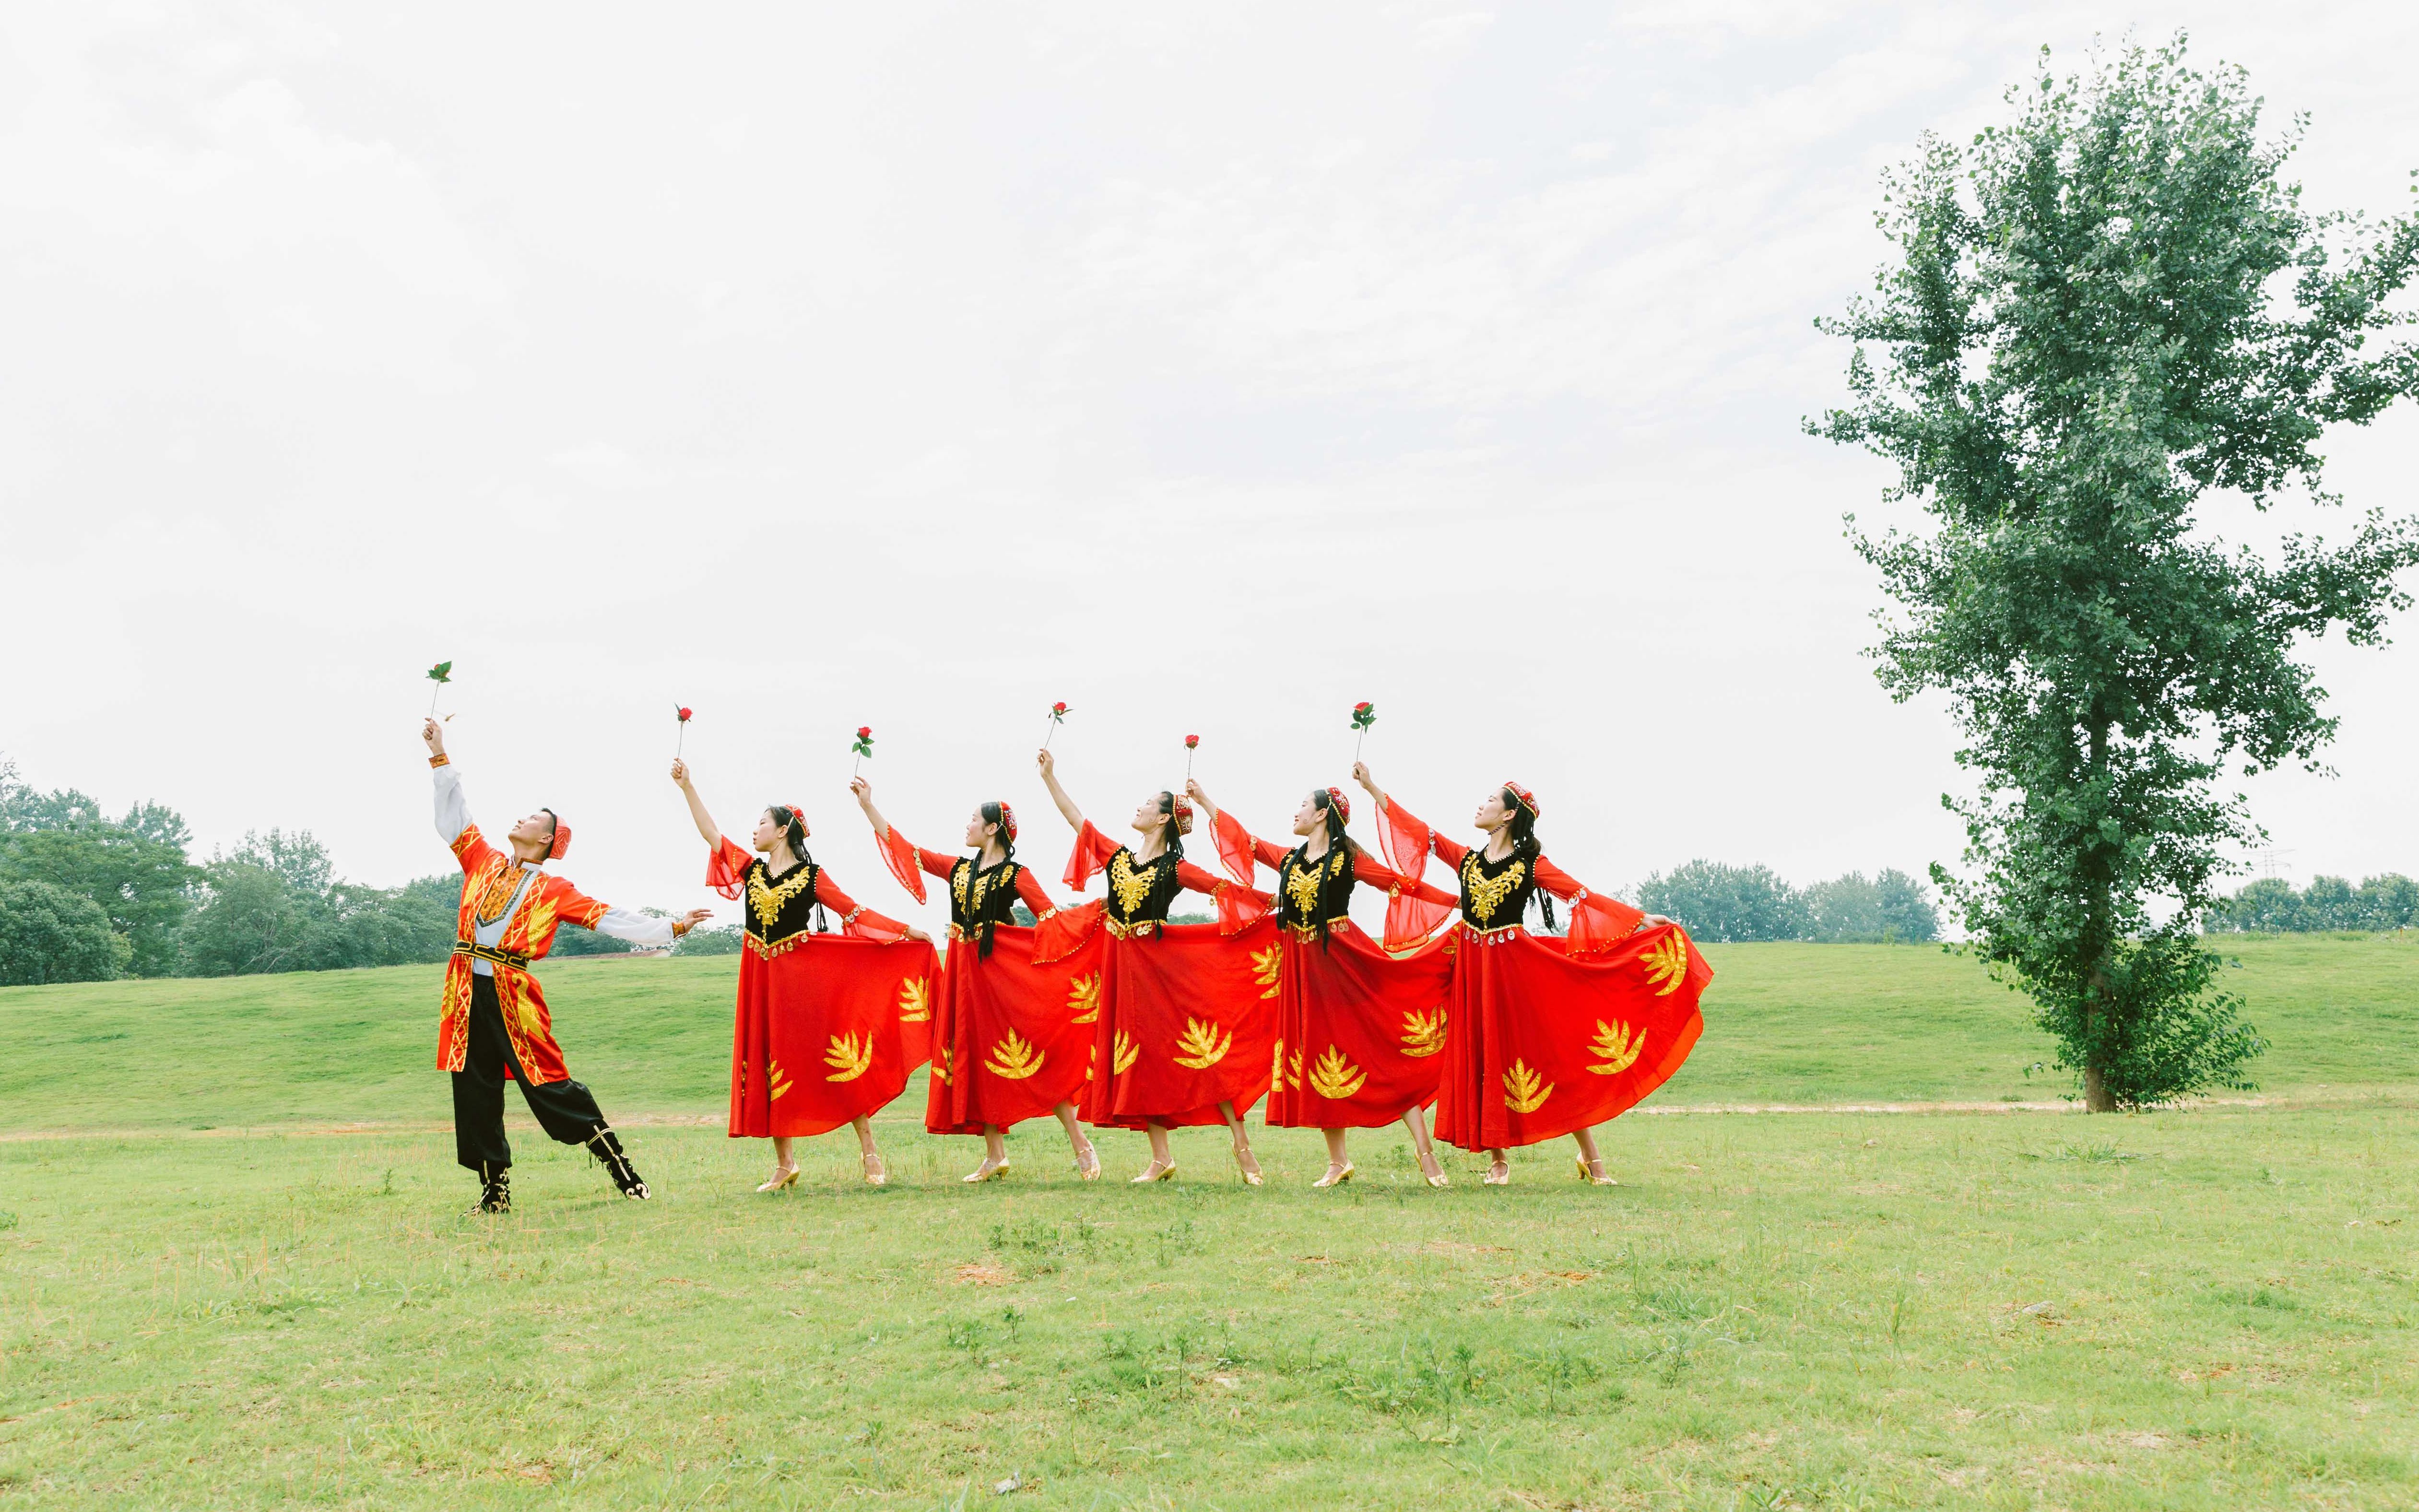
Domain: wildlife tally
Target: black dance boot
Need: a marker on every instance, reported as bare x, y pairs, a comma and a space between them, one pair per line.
606, 1147
494, 1190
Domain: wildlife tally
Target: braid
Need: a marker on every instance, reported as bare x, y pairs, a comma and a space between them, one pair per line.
1175, 842
1524, 845
1007, 842
793, 835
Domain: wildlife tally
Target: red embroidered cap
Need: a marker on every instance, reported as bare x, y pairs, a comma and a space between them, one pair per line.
1528, 799
1184, 817
1337, 801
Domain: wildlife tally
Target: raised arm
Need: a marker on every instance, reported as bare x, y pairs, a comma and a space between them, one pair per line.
1239, 849
1406, 837
453, 825
704, 822
1067, 809
908, 863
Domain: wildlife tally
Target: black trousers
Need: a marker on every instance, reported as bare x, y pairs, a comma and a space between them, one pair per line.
566, 1110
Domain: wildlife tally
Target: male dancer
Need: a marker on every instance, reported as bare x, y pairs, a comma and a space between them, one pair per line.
493, 1022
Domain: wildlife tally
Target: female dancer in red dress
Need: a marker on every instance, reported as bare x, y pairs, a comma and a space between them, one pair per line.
1183, 1033
1359, 1030
818, 1039
1011, 1030
1546, 1036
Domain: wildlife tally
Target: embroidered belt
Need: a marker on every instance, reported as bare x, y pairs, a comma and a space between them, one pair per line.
768, 949
1139, 927
1499, 935
513, 959
960, 933
1312, 931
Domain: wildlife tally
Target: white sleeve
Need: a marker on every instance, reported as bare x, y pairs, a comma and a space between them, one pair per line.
452, 810
637, 927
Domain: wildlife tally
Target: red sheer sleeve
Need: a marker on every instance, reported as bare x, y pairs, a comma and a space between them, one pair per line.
726, 867
906, 862
1413, 909
856, 922
1238, 906
1408, 840
1092, 852
1235, 847
1030, 891
1597, 922
1062, 932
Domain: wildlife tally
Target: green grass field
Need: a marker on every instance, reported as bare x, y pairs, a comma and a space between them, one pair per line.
208, 1300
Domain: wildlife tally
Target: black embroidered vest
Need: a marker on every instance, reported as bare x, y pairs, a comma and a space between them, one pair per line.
1496, 893
1140, 892
980, 899
777, 911
1313, 894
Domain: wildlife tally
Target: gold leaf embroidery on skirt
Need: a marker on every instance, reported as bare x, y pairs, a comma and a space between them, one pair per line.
1422, 1033
779, 1079
1084, 996
916, 1000
1617, 1046
1667, 964
849, 1057
1334, 1077
1202, 1045
1264, 967
1014, 1058
1524, 1090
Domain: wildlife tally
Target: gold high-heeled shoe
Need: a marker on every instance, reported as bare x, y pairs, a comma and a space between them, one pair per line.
1499, 1174
1154, 1172
1251, 1178
1436, 1178
1592, 1177
1087, 1164
780, 1180
985, 1172
875, 1177
1334, 1177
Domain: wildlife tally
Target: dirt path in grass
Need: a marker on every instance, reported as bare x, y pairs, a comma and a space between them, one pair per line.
715, 1120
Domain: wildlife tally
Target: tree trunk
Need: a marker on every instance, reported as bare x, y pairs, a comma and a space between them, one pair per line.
2096, 1098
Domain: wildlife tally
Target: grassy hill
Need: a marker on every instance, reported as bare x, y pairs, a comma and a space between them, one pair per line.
2190, 1312
1785, 1024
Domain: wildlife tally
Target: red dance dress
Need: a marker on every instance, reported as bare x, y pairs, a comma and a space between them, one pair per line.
829, 1025
1545, 1035
1183, 1019
1011, 1027
1358, 1029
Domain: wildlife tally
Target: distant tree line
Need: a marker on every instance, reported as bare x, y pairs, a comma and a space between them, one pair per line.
84, 897
2271, 906
1726, 903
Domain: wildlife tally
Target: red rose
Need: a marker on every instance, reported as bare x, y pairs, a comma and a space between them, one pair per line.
683, 714
1059, 708
1191, 741
863, 731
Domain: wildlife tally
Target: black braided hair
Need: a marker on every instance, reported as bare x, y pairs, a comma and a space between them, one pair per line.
1524, 845
793, 834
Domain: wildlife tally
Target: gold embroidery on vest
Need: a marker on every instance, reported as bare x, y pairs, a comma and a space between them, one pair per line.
1132, 886
767, 900
1487, 894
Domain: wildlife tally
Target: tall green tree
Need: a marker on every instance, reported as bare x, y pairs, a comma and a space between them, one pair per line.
134, 869
2102, 312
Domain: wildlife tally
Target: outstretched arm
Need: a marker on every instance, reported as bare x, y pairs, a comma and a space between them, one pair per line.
696, 806
864, 790
1067, 809
453, 825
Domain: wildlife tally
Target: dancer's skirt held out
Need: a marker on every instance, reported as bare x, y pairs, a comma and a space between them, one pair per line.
1188, 1020
828, 1028
1540, 1043
1360, 1033
1006, 1045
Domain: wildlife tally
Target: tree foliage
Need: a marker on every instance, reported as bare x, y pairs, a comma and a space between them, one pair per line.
2103, 312
48, 933
274, 905
1728, 904
2271, 906
134, 868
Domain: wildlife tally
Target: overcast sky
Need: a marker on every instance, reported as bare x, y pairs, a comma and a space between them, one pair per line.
1210, 368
